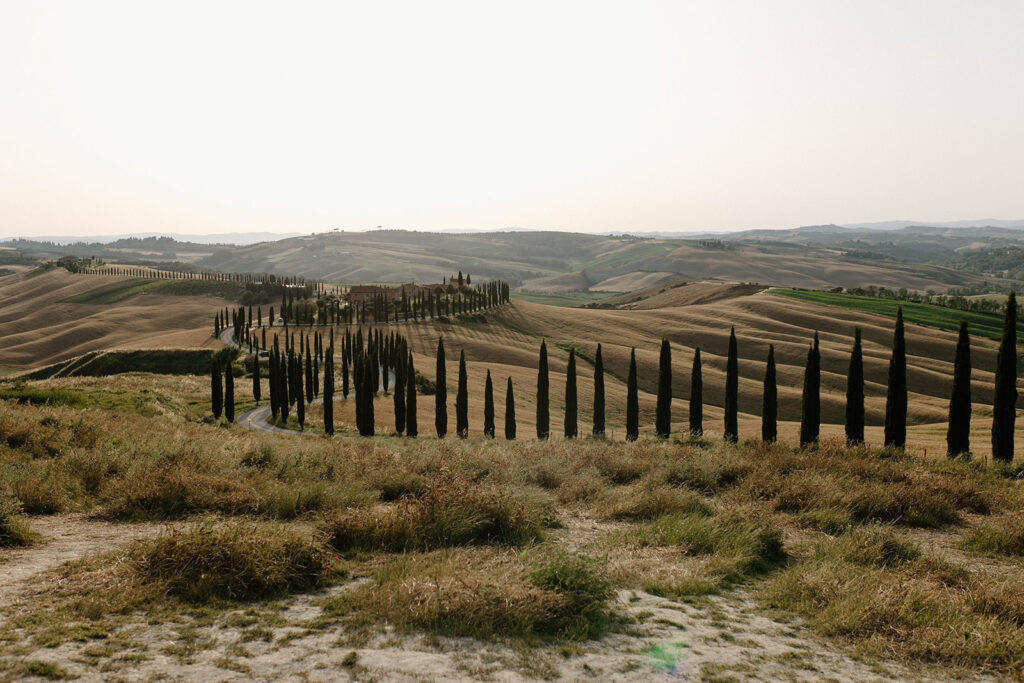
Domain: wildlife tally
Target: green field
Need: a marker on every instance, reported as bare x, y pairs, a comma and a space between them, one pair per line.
567, 299
115, 292
983, 324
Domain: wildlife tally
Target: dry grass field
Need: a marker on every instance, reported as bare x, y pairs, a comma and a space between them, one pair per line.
39, 326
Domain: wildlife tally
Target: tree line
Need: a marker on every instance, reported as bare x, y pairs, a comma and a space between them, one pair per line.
372, 358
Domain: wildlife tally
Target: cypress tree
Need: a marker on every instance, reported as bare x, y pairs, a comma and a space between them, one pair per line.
370, 377
462, 400
632, 401
300, 404
810, 418
309, 376
399, 396
316, 375
329, 394
896, 396
411, 425
488, 407
732, 378
216, 390
256, 376
272, 383
598, 429
282, 387
441, 395
571, 428
510, 412
855, 393
1004, 403
543, 410
344, 378
663, 417
229, 393
770, 403
696, 396
958, 436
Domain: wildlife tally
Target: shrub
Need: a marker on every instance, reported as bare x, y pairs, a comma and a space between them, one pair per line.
477, 593
14, 530
1003, 535
645, 502
236, 561
450, 512
742, 544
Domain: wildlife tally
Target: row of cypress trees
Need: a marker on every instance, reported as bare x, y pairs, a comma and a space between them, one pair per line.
372, 359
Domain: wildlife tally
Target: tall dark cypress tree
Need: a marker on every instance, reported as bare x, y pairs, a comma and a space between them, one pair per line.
510, 412
309, 376
1004, 403
372, 376
696, 396
282, 387
770, 402
958, 436
896, 396
275, 407
329, 393
411, 424
810, 418
598, 429
256, 376
462, 400
732, 379
216, 389
229, 392
344, 377
543, 406
855, 393
489, 407
399, 395
300, 404
663, 416
441, 395
571, 398
632, 401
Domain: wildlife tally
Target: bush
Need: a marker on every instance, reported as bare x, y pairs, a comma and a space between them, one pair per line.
741, 544
450, 512
1002, 535
14, 530
236, 561
644, 502
476, 593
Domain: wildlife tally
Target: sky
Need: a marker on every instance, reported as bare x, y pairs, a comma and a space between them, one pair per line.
213, 117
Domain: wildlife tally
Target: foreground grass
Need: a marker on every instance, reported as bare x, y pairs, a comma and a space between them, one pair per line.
984, 324
522, 539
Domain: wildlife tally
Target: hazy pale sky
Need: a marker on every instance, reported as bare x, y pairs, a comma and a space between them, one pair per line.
592, 116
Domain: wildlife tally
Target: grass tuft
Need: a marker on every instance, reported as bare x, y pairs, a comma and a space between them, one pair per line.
1001, 535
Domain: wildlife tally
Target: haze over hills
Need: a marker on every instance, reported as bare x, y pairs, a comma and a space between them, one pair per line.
969, 259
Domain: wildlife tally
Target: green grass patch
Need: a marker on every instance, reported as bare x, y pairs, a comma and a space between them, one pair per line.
983, 324
165, 362
564, 299
37, 396
1000, 535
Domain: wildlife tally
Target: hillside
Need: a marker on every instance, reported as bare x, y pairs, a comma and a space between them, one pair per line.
40, 323
921, 258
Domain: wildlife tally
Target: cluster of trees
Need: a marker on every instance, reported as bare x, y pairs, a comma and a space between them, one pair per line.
373, 358
955, 299
310, 304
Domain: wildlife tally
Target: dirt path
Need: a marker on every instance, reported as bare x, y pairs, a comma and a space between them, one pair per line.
65, 538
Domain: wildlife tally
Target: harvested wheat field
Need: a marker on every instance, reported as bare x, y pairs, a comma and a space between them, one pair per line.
39, 325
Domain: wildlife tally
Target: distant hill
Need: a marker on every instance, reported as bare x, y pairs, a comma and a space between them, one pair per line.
972, 260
